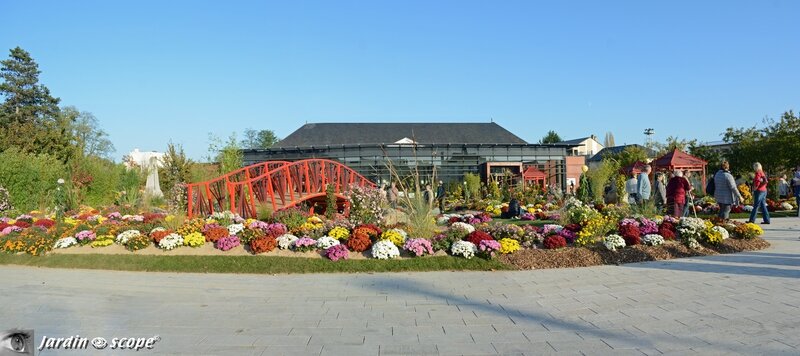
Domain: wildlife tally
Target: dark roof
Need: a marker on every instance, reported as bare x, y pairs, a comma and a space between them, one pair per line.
323, 134
617, 149
576, 141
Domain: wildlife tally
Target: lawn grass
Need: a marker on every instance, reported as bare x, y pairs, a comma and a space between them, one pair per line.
249, 264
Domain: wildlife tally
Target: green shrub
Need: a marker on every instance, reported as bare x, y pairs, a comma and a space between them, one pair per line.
30, 179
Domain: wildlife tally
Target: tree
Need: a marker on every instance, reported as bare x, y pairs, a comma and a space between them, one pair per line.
551, 137
672, 143
775, 146
609, 140
631, 155
176, 169
259, 139
26, 99
228, 155
29, 116
88, 138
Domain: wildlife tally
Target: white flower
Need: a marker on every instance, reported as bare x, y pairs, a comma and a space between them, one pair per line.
653, 239
234, 229
463, 248
326, 242
65, 242
721, 231
285, 241
171, 241
127, 235
60, 180
158, 229
787, 206
463, 226
442, 220
613, 242
692, 243
384, 250
691, 227
748, 208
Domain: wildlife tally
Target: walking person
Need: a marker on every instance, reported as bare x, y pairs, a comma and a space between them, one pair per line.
783, 188
759, 194
725, 192
428, 195
661, 190
676, 193
689, 195
630, 189
392, 194
643, 189
441, 193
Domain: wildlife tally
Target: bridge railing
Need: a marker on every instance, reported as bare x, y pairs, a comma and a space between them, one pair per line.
279, 184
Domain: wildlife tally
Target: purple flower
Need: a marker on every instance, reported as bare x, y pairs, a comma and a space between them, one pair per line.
488, 248
648, 226
629, 221
10, 229
115, 216
337, 252
418, 247
568, 235
85, 235
527, 216
305, 243
227, 243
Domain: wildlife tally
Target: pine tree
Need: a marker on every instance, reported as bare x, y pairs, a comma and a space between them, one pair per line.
27, 101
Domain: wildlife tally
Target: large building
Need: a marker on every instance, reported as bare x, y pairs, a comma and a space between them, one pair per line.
447, 150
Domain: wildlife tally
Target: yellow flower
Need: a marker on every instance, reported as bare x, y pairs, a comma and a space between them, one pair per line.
169, 218
194, 239
508, 245
339, 233
394, 236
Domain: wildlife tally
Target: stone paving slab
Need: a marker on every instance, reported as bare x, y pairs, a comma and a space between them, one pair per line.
747, 303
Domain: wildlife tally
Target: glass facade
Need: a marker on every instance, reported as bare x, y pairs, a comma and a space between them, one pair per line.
448, 162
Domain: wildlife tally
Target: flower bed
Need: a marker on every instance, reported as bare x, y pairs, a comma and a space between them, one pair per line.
584, 235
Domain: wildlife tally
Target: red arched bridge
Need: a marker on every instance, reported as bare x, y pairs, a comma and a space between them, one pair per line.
279, 184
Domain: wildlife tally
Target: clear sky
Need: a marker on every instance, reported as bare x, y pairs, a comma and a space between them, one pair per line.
155, 71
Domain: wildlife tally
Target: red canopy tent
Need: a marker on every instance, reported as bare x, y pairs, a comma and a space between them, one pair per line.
679, 160
634, 169
532, 175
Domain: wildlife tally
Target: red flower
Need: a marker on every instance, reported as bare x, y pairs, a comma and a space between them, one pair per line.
22, 224
667, 231
359, 241
554, 242
158, 235
477, 236
369, 229
574, 227
45, 223
631, 234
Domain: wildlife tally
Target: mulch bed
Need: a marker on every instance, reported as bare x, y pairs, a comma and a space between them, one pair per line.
587, 257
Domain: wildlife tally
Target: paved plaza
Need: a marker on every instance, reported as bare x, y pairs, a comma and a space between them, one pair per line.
747, 303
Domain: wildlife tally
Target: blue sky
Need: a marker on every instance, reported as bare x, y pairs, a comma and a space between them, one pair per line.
155, 71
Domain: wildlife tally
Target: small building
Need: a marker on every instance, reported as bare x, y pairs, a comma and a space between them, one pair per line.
584, 146
443, 150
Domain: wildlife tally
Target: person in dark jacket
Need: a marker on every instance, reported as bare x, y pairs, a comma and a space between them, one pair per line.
513, 209
440, 195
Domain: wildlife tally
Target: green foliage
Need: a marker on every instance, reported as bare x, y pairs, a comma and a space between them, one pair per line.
330, 201
551, 137
775, 145
30, 179
601, 176
95, 181
177, 169
473, 190
259, 139
228, 154
88, 138
631, 155
30, 118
